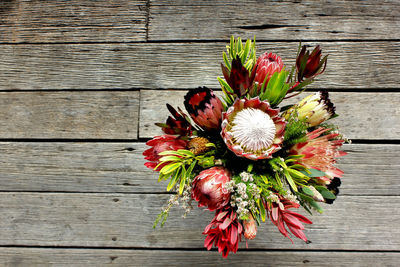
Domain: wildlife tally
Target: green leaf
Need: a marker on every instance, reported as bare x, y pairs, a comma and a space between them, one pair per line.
262, 210
226, 60
307, 190
316, 173
246, 51
170, 158
183, 181
315, 205
169, 152
325, 192
173, 180
289, 179
170, 168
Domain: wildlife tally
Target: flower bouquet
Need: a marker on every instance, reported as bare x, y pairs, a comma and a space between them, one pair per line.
243, 156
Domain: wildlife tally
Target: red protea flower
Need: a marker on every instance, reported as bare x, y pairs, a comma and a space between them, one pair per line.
267, 64
320, 152
179, 124
250, 228
224, 231
159, 144
310, 65
207, 188
204, 107
238, 78
252, 129
281, 216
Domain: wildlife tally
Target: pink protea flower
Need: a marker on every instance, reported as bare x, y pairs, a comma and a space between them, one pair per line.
224, 231
208, 190
159, 144
250, 228
310, 65
281, 216
267, 64
252, 129
320, 152
204, 107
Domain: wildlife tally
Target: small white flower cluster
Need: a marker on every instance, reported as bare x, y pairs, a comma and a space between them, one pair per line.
291, 197
240, 198
187, 200
173, 201
245, 176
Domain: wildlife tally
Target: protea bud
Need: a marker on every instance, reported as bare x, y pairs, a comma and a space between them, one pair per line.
267, 64
178, 124
208, 190
310, 65
250, 228
204, 107
314, 109
238, 78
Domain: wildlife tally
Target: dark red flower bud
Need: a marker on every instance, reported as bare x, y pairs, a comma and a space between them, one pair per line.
310, 65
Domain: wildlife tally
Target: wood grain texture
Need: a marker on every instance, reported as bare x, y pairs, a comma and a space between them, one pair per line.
118, 167
273, 20
361, 116
43, 257
82, 115
354, 65
25, 21
125, 220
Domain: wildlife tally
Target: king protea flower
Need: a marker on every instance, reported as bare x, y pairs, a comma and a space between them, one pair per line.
204, 107
267, 64
320, 152
310, 65
314, 109
280, 215
252, 129
224, 232
159, 144
208, 188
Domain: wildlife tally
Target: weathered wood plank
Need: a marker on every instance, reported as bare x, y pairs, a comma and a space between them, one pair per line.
118, 167
362, 116
180, 65
273, 20
115, 220
80, 115
72, 21
13, 257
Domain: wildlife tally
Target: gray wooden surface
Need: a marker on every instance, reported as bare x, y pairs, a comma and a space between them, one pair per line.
82, 82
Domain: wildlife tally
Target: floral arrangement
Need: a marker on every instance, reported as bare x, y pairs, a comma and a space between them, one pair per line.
245, 158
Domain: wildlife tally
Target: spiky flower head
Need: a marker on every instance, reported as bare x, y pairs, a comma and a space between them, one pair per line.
252, 129
179, 123
204, 107
320, 152
250, 228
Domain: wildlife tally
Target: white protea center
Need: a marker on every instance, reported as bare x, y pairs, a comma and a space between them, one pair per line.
253, 129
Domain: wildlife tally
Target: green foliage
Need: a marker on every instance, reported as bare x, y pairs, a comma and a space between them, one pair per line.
276, 88
179, 166
295, 131
246, 53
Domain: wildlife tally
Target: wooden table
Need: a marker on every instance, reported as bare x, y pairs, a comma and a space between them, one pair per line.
82, 83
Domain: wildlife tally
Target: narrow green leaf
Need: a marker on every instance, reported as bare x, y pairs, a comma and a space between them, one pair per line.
316, 206
290, 181
246, 51
170, 168
227, 62
316, 173
262, 210
170, 158
169, 152
185, 152
173, 180
183, 181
